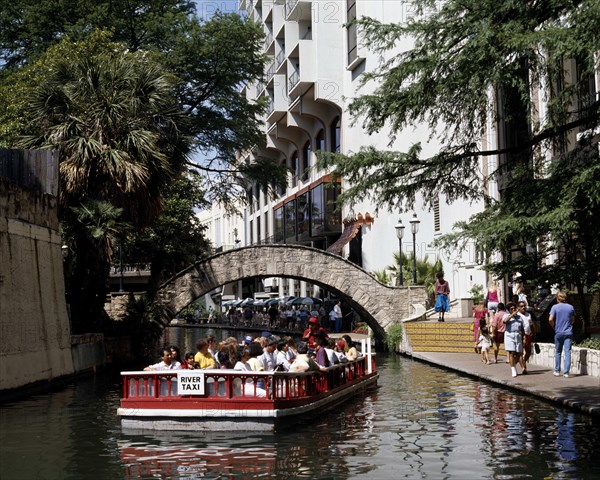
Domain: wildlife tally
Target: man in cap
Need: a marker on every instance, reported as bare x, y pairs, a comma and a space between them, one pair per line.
313, 328
269, 357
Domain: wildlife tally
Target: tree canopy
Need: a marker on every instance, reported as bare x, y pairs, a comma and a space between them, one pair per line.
127, 92
469, 62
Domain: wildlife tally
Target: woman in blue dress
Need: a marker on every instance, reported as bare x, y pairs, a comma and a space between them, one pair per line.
442, 290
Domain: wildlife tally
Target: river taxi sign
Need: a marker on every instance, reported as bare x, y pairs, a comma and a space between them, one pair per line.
190, 382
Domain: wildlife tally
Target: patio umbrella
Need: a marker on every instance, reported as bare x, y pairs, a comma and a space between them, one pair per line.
301, 301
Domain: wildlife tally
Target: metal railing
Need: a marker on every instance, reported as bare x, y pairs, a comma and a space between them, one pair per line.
279, 59
293, 80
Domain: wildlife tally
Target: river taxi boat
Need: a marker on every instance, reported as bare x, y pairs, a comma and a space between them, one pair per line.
236, 400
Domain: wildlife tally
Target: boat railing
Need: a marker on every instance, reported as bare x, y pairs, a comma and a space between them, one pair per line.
235, 384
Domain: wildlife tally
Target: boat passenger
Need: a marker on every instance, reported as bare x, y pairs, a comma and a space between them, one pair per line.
176, 355
320, 354
203, 358
303, 362
167, 362
330, 350
255, 351
340, 349
351, 351
313, 328
269, 356
191, 363
224, 362
242, 363
291, 351
212, 349
283, 363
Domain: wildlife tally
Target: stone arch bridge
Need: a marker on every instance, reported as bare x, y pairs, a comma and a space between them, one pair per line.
379, 305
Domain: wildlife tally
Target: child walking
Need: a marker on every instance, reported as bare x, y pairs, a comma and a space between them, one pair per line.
484, 343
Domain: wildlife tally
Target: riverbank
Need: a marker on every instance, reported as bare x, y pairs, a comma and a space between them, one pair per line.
581, 392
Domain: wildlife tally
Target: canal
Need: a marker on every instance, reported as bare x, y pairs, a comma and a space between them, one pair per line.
421, 422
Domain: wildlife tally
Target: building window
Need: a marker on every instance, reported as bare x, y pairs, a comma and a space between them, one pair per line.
281, 190
217, 232
320, 141
278, 220
294, 168
302, 216
334, 132
304, 169
258, 236
266, 222
352, 31
317, 219
290, 222
436, 215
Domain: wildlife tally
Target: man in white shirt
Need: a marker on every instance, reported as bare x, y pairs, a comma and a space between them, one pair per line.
167, 362
338, 316
269, 357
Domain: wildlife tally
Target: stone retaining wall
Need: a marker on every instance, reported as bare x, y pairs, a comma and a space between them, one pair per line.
35, 340
584, 361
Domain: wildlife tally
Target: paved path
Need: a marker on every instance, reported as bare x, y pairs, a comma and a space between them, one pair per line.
579, 391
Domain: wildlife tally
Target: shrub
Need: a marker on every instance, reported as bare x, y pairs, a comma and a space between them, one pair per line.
592, 343
393, 336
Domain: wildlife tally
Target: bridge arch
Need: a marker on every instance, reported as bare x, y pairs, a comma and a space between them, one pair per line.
379, 305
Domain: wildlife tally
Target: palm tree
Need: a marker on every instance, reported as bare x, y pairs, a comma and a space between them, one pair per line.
426, 271
119, 131
92, 231
113, 117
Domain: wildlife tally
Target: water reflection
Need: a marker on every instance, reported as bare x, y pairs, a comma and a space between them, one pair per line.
421, 422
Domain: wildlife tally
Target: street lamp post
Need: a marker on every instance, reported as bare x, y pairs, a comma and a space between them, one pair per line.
414, 227
400, 233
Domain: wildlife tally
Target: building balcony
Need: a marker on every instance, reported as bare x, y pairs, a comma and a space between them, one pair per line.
268, 41
296, 10
279, 61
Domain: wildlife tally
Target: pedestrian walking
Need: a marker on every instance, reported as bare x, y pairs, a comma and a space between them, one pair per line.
485, 343
492, 299
498, 330
442, 291
479, 320
562, 318
338, 316
528, 334
513, 337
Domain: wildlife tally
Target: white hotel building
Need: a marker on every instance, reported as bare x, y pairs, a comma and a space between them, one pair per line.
315, 64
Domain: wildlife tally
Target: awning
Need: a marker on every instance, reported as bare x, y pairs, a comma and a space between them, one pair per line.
350, 231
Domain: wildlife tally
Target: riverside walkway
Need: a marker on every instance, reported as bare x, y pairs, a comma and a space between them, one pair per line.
581, 392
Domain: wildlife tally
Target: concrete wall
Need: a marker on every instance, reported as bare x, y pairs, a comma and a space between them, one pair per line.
35, 341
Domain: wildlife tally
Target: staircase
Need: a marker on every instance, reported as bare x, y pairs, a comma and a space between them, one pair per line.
441, 337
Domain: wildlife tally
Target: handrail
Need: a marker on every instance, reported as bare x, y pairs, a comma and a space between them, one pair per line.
232, 384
